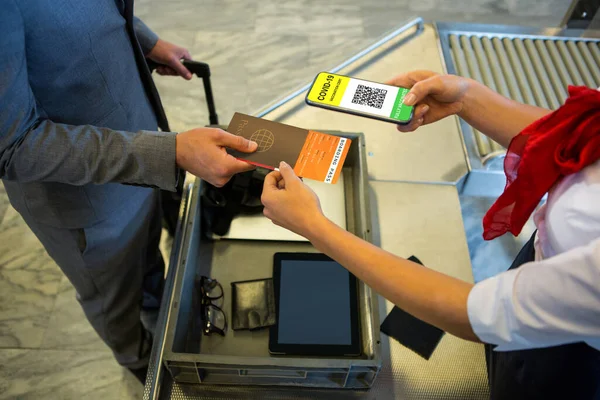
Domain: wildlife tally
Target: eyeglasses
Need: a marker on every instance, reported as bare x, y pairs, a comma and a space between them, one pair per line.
213, 317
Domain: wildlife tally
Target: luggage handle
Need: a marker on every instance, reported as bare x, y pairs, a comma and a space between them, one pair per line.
202, 70
272, 373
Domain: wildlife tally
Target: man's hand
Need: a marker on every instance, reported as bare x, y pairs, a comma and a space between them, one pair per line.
289, 203
169, 57
202, 152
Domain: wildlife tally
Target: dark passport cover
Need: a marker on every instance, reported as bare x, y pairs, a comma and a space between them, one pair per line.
276, 142
312, 155
417, 335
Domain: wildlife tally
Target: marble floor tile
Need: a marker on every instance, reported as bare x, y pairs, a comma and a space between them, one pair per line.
471, 6
247, 56
327, 51
278, 71
281, 17
59, 374
251, 69
161, 15
131, 389
29, 281
363, 3
227, 17
68, 327
180, 36
534, 8
497, 19
305, 17
380, 19
334, 19
4, 202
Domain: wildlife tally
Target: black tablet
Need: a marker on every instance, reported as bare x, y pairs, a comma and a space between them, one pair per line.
317, 307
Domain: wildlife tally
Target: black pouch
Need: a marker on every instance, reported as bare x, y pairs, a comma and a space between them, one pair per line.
253, 304
417, 335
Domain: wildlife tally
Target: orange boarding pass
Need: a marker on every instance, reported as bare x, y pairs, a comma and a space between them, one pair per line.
313, 155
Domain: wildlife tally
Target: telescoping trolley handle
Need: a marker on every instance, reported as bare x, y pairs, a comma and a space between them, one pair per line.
202, 70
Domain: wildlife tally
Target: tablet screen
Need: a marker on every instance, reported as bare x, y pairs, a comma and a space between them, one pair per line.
314, 303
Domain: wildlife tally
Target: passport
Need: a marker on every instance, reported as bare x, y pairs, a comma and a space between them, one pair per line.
312, 155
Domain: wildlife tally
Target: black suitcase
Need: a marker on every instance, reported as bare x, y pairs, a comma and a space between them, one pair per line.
170, 201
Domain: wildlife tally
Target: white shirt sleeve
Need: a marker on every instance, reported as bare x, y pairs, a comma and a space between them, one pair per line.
544, 303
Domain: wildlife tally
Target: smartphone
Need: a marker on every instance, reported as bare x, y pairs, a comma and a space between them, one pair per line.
360, 97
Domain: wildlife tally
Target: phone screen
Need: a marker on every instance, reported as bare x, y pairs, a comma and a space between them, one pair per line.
362, 97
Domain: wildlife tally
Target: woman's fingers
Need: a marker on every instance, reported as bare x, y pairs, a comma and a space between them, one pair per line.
408, 79
420, 111
413, 126
422, 89
417, 119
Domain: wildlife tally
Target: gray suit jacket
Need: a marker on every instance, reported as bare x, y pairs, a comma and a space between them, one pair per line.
75, 122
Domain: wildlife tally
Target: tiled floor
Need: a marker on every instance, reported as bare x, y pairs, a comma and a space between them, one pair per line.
258, 51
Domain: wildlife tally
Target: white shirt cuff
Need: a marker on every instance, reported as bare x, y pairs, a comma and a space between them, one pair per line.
491, 312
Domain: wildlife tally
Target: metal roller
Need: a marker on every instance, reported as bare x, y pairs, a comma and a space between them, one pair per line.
530, 69
484, 143
459, 57
495, 145
581, 66
509, 75
495, 66
533, 79
498, 77
592, 65
556, 90
483, 65
543, 74
576, 77
518, 71
559, 63
553, 69
462, 67
471, 59
595, 53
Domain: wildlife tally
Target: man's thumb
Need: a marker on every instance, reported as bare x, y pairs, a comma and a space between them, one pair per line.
237, 142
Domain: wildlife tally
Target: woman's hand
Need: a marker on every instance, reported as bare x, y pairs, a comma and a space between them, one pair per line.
435, 96
291, 204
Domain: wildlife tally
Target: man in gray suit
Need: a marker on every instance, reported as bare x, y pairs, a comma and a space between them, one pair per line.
81, 157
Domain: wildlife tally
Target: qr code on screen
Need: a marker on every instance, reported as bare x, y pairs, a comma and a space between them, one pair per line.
369, 96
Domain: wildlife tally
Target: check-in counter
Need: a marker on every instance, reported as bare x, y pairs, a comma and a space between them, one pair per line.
416, 184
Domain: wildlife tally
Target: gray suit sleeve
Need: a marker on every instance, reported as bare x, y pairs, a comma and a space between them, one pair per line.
145, 35
33, 149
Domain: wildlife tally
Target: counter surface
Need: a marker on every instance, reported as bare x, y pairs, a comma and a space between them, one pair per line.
425, 221
409, 217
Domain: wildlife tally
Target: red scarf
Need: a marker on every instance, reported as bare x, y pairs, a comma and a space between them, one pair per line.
559, 144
